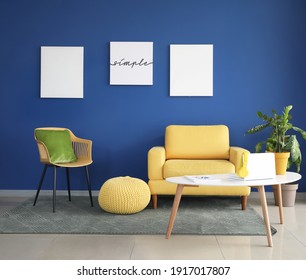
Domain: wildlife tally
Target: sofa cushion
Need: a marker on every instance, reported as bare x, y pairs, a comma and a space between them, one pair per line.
178, 167
197, 142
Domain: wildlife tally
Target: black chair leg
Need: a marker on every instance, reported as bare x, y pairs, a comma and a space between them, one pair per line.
54, 188
88, 184
68, 182
40, 183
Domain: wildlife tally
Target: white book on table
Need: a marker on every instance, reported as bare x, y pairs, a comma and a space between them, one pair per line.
202, 178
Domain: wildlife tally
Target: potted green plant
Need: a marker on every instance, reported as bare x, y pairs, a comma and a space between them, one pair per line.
279, 141
284, 145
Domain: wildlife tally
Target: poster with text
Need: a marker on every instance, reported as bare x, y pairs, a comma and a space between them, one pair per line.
131, 63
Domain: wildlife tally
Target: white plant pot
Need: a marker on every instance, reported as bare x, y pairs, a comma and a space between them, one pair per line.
288, 194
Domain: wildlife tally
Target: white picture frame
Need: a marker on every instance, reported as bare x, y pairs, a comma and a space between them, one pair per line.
191, 70
131, 63
62, 72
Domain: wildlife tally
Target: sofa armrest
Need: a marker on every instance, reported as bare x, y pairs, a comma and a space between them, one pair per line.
236, 156
156, 161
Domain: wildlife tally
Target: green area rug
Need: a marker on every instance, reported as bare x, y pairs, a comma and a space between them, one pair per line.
196, 216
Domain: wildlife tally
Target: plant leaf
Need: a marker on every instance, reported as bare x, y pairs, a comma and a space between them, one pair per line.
263, 117
257, 128
303, 133
258, 147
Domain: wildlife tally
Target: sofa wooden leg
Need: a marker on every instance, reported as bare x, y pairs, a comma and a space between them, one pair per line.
244, 202
154, 201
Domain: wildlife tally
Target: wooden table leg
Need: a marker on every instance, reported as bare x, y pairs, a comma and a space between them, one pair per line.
280, 203
263, 200
176, 203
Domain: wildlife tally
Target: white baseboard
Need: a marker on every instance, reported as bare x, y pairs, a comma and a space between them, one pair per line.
29, 193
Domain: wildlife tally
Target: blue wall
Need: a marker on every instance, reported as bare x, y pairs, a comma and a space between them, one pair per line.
259, 64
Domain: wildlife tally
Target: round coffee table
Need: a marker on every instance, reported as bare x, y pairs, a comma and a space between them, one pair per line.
232, 180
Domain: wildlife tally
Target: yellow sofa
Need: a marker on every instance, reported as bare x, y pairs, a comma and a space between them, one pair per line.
194, 150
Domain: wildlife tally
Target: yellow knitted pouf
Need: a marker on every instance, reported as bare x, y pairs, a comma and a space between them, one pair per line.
124, 195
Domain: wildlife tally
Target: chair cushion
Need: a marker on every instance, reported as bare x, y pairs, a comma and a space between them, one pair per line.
58, 143
177, 167
197, 142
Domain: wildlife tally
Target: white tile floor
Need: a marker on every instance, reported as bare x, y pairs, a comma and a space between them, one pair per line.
289, 242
